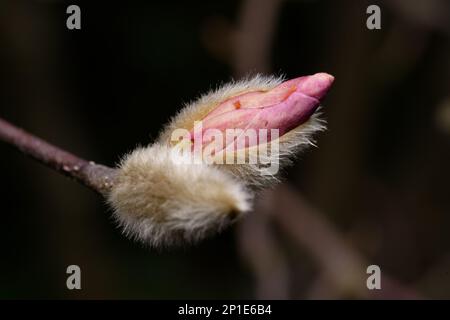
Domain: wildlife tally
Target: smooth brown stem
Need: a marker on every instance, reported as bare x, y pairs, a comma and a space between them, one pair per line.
97, 177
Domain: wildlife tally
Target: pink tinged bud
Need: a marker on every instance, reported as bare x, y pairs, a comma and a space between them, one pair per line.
284, 107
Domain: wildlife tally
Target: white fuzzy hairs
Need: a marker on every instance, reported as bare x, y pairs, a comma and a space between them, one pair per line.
161, 201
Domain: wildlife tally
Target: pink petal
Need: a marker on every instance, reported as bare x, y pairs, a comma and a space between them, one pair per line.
285, 107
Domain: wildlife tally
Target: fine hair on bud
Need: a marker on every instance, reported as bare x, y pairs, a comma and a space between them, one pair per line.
161, 201
162, 198
289, 145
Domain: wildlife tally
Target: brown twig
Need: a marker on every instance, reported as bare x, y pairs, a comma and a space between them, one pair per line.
97, 177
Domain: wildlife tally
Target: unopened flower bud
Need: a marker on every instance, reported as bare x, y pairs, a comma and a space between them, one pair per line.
162, 195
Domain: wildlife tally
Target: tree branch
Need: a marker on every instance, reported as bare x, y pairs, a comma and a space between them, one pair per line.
97, 177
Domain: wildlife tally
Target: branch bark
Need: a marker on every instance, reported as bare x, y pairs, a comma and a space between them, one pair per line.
97, 177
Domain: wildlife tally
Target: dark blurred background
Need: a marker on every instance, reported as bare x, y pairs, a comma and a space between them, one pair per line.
375, 191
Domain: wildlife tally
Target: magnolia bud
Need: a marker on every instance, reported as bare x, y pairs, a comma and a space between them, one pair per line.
199, 175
